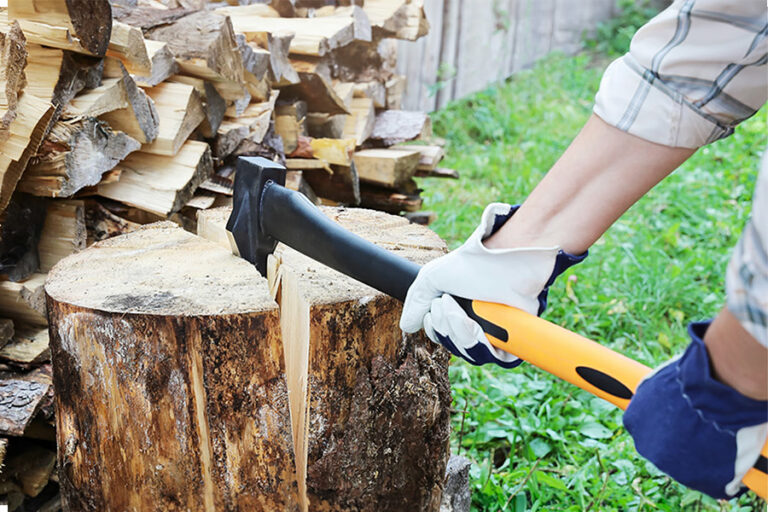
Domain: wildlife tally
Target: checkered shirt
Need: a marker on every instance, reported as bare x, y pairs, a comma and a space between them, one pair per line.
692, 74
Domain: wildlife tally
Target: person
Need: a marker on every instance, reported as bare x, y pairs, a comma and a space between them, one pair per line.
691, 75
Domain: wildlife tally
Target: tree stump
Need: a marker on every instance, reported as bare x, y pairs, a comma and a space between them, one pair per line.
181, 384
169, 378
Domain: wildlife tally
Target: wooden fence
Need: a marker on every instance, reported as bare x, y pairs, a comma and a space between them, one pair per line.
472, 43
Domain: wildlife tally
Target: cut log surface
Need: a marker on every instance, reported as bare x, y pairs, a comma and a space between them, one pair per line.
185, 341
387, 167
369, 405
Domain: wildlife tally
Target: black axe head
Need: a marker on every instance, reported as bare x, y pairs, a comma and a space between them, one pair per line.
244, 225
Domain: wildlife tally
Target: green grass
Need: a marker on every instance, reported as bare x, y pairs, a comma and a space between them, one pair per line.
537, 443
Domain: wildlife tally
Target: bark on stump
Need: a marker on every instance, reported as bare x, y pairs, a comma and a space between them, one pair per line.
174, 368
169, 378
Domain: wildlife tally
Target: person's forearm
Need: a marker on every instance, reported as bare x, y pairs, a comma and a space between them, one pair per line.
601, 174
737, 358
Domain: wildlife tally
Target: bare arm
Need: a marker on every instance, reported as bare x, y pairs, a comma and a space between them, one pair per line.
601, 174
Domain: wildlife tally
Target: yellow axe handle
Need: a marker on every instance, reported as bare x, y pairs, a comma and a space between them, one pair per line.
580, 361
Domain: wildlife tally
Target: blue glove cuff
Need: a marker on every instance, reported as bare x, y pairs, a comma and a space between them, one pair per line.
714, 401
686, 422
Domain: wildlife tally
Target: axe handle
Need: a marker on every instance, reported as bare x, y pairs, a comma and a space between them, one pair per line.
291, 219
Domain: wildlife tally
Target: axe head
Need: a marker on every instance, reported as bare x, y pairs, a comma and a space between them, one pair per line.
244, 226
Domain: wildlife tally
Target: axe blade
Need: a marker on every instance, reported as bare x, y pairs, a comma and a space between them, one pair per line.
253, 243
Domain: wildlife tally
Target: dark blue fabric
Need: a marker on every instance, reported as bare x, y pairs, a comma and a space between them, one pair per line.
480, 353
685, 421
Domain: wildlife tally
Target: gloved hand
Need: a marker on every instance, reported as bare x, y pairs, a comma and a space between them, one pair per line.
699, 431
516, 277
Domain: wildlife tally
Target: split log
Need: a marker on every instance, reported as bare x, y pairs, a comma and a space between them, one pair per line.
180, 111
313, 36
24, 301
333, 151
425, 218
25, 133
28, 346
383, 199
31, 468
146, 15
348, 366
253, 124
386, 167
294, 180
416, 25
127, 44
109, 96
431, 155
83, 26
162, 64
278, 44
394, 126
13, 60
361, 23
57, 76
63, 233
20, 227
100, 223
317, 92
6, 335
21, 397
374, 90
255, 59
387, 16
204, 45
395, 90
161, 184
203, 413
214, 105
361, 61
439, 172
75, 155
341, 186
359, 125
140, 118
289, 123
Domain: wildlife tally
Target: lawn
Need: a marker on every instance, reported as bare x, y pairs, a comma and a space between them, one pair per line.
537, 443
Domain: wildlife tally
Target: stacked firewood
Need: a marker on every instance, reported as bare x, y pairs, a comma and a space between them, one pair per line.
114, 116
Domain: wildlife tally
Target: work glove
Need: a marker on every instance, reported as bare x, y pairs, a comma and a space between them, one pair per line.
517, 277
699, 431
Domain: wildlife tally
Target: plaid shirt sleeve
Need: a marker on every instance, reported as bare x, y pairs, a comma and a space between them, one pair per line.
692, 73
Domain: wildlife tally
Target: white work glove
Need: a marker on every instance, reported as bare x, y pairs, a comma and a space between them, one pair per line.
516, 277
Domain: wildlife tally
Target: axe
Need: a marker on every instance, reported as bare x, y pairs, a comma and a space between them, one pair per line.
264, 212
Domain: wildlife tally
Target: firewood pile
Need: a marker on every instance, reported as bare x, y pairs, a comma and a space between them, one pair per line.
117, 115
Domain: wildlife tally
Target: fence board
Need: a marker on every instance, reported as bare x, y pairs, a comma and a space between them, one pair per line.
483, 41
